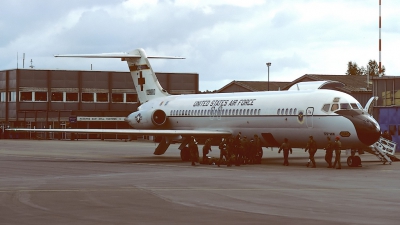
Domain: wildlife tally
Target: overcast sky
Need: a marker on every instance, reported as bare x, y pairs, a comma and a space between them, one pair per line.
222, 40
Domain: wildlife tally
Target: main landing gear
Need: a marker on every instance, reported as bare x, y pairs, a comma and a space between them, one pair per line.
185, 154
353, 160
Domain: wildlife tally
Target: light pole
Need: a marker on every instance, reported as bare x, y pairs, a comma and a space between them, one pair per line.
268, 64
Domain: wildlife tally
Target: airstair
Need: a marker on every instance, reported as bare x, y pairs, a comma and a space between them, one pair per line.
384, 150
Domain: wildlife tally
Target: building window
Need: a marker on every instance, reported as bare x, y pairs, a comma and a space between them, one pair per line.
41, 96
117, 97
12, 96
87, 97
131, 97
101, 97
2, 97
71, 97
25, 96
57, 96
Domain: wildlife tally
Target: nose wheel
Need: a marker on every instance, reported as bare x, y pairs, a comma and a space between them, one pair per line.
354, 161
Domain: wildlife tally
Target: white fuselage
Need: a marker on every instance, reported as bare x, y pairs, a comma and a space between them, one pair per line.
280, 114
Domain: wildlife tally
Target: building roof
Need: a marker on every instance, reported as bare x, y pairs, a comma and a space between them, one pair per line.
351, 83
256, 85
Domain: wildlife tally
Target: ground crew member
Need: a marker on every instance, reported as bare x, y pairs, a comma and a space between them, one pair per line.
286, 148
206, 150
252, 151
222, 151
244, 150
312, 149
194, 151
258, 149
386, 135
238, 149
329, 152
337, 145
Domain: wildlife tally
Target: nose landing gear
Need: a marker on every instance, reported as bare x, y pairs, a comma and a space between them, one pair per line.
353, 160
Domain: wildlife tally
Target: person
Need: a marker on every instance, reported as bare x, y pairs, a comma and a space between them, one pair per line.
386, 135
337, 145
312, 149
251, 152
258, 149
206, 150
194, 151
286, 148
223, 152
329, 152
244, 150
238, 149
230, 151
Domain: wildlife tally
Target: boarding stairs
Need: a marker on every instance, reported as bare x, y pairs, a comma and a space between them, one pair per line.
384, 150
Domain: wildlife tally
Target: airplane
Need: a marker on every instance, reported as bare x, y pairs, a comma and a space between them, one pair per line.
302, 111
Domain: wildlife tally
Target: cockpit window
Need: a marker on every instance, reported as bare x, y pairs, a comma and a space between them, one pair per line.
326, 107
354, 105
345, 106
334, 107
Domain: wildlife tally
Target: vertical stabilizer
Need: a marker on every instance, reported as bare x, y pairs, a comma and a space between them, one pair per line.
144, 78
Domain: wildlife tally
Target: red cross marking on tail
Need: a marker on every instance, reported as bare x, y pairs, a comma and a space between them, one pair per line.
141, 81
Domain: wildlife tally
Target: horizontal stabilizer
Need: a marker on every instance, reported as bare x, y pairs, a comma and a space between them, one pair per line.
116, 55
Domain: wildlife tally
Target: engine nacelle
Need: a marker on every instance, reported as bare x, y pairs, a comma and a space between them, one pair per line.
147, 119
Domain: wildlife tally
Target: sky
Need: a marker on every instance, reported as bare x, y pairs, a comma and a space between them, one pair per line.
222, 40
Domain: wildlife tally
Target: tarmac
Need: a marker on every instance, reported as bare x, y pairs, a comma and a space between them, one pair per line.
117, 182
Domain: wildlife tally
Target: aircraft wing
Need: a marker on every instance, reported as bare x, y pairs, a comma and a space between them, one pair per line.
132, 131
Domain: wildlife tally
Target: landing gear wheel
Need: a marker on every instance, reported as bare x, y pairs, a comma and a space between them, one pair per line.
350, 161
353, 161
185, 154
357, 161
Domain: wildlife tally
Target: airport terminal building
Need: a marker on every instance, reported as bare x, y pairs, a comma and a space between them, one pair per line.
31, 98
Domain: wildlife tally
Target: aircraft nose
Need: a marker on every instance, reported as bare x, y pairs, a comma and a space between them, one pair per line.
368, 130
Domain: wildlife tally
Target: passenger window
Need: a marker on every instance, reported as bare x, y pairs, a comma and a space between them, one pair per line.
277, 112
286, 111
290, 111
334, 107
326, 107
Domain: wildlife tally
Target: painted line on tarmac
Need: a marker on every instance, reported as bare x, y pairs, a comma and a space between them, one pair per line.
124, 189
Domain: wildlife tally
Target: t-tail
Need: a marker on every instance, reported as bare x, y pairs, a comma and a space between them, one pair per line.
143, 76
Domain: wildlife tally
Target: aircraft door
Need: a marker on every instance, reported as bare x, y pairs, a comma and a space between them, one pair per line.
309, 116
216, 113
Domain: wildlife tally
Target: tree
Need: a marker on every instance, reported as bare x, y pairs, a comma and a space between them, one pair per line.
353, 69
372, 69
